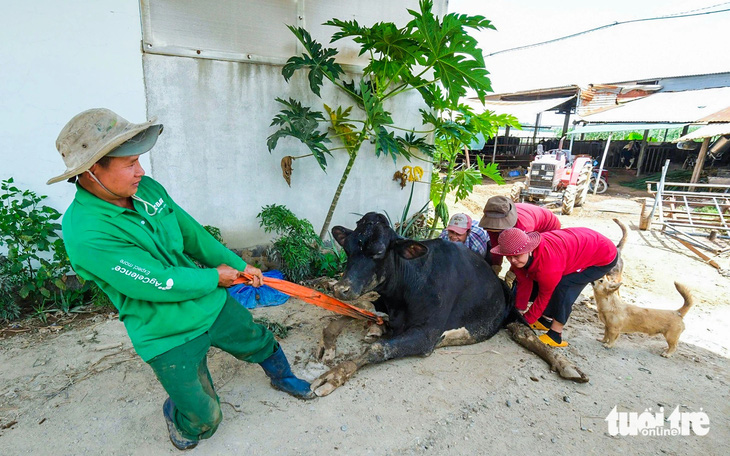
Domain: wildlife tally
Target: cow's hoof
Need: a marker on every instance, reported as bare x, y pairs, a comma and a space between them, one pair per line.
375, 332
328, 355
334, 378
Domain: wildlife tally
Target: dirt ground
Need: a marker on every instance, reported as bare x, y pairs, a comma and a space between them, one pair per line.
80, 389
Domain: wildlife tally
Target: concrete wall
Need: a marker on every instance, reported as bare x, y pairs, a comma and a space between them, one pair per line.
212, 155
58, 59
215, 93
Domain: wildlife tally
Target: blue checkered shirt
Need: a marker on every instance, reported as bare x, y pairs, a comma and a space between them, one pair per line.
476, 240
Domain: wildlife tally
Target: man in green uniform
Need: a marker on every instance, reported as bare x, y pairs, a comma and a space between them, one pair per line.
124, 232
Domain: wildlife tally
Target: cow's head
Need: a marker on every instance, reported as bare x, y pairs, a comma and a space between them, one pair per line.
368, 248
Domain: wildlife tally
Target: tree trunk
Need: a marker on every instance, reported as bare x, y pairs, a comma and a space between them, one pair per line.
336, 198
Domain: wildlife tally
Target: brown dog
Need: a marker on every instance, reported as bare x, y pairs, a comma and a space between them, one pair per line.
625, 318
615, 274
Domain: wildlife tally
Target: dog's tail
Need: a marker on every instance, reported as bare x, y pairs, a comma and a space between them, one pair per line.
688, 299
624, 234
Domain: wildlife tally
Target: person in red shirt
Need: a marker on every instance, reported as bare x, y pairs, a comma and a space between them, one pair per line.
561, 263
500, 213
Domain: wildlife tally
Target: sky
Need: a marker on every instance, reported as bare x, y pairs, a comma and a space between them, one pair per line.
671, 47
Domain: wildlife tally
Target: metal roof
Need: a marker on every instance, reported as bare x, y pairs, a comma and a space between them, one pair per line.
596, 128
525, 111
719, 116
708, 131
536, 94
667, 107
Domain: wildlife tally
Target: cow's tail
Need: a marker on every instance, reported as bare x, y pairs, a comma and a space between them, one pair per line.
511, 314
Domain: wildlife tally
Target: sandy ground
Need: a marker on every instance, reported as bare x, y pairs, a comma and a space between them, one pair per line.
82, 390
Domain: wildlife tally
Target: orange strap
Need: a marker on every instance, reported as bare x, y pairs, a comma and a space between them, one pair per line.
314, 297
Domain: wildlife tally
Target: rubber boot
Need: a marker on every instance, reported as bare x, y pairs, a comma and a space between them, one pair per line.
277, 368
180, 442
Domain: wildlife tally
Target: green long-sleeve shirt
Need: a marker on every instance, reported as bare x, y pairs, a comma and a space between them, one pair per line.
139, 261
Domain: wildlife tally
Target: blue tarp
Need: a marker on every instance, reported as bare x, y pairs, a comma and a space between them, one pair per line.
250, 297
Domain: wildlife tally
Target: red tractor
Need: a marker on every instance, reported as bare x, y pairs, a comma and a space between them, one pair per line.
553, 175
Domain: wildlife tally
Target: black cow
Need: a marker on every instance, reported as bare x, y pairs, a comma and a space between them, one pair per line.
436, 293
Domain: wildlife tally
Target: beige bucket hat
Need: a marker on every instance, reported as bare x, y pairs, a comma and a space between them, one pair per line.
500, 213
95, 133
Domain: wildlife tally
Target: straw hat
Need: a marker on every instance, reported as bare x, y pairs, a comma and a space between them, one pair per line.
514, 241
95, 133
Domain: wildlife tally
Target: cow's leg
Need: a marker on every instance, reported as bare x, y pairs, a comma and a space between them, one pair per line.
524, 336
328, 344
410, 343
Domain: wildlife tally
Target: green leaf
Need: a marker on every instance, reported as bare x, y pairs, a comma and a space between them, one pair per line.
490, 170
25, 290
301, 123
448, 48
410, 141
464, 181
320, 62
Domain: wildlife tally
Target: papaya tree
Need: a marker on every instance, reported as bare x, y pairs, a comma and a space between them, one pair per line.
434, 56
456, 126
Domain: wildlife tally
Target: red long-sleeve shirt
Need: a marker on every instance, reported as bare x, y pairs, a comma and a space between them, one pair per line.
560, 253
529, 218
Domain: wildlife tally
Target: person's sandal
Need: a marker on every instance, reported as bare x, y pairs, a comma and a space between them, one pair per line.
547, 340
537, 326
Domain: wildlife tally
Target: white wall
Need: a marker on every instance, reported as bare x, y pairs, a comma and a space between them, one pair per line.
60, 58
217, 104
212, 156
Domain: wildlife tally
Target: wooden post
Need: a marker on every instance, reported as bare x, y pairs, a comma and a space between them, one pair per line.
642, 153
466, 153
494, 151
603, 160
565, 122
700, 163
537, 125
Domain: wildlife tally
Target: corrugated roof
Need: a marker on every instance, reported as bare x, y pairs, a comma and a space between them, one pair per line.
525, 111
536, 94
719, 116
667, 107
602, 97
595, 128
708, 131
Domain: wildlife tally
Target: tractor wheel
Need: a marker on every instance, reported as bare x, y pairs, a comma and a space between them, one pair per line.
515, 192
569, 199
582, 184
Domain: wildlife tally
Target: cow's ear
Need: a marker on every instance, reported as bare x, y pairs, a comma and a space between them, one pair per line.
409, 249
340, 233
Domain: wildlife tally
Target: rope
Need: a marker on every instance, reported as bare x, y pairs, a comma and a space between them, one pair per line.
314, 297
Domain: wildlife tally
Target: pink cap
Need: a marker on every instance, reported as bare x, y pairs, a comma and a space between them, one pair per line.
459, 223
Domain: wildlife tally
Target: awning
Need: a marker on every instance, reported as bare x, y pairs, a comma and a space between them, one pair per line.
667, 107
708, 131
596, 128
525, 111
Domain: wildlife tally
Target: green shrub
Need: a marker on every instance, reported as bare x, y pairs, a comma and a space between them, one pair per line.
36, 261
298, 249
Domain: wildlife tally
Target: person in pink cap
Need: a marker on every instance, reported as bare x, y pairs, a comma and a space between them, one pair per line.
561, 263
462, 228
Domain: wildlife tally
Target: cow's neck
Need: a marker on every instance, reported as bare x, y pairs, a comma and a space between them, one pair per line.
401, 275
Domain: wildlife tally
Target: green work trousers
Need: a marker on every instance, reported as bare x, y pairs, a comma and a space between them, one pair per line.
183, 371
